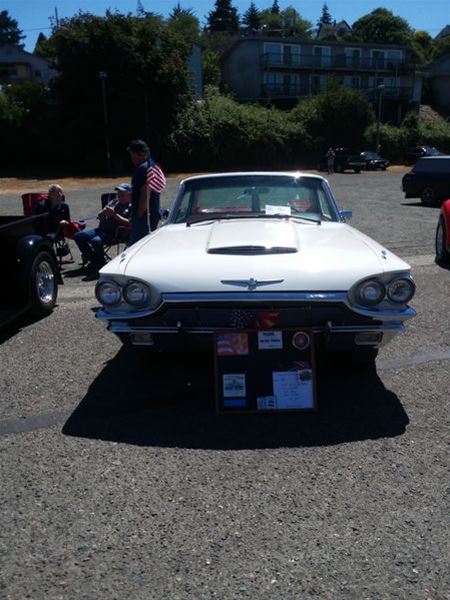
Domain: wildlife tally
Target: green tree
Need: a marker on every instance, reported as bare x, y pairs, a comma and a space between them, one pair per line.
439, 48
252, 18
224, 17
183, 22
146, 82
275, 8
422, 44
294, 24
24, 121
10, 34
381, 26
325, 18
271, 21
336, 116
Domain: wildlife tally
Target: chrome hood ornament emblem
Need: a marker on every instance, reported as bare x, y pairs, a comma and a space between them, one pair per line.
251, 284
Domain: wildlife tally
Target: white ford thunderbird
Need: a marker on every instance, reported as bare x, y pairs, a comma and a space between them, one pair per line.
256, 250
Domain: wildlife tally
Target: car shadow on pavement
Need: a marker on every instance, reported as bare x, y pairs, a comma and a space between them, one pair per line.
169, 402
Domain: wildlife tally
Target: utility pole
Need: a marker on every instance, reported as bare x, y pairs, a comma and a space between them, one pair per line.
103, 76
380, 90
56, 18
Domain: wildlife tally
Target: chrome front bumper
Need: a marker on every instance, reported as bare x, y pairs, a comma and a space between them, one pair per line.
383, 324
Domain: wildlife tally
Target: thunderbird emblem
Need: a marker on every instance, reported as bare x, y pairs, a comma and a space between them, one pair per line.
250, 284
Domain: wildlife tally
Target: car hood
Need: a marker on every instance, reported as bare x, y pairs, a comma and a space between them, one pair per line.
307, 256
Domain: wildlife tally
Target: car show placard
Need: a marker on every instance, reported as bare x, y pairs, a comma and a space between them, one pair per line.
264, 371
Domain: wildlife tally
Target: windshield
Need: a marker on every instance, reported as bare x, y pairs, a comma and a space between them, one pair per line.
431, 151
254, 196
371, 155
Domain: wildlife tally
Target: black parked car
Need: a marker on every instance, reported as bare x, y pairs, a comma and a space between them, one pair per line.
429, 180
416, 152
374, 160
344, 160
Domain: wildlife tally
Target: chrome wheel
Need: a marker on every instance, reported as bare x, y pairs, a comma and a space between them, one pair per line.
45, 283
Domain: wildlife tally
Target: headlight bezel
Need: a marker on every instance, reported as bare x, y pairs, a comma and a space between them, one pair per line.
387, 301
126, 291
400, 280
102, 285
362, 300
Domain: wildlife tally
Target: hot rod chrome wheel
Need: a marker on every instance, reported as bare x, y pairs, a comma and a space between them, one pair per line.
43, 284
441, 250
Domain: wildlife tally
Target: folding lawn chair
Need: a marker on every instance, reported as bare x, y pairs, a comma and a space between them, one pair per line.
60, 244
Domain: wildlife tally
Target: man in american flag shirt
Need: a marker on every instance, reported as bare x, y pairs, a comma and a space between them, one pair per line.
147, 182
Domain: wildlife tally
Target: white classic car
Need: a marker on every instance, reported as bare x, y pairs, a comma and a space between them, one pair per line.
256, 250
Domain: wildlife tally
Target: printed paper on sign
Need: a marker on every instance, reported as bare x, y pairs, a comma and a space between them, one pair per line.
293, 390
272, 209
232, 344
234, 385
270, 340
266, 403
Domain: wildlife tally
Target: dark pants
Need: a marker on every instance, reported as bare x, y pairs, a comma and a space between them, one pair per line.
91, 242
139, 226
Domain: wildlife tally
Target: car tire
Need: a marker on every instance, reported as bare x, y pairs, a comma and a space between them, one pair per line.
357, 170
442, 254
428, 196
43, 284
339, 169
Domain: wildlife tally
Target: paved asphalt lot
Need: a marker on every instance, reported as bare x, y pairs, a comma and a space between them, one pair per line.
118, 479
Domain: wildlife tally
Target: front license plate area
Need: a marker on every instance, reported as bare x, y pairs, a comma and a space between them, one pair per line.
265, 371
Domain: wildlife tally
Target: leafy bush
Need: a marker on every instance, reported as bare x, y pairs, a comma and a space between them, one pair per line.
415, 130
219, 133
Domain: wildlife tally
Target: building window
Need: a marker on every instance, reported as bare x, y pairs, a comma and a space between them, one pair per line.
352, 57
352, 82
322, 56
378, 59
274, 53
318, 83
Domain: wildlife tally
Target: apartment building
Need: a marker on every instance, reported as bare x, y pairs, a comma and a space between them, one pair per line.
281, 70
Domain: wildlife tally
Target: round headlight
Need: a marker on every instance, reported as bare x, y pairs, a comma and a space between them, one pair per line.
371, 292
401, 290
108, 293
136, 293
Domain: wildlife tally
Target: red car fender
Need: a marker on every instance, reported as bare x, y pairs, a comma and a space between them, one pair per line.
445, 212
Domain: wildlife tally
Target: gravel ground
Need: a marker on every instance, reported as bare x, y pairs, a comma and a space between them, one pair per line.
118, 479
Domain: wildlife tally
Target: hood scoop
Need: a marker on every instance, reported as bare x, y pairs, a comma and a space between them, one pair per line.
251, 238
252, 250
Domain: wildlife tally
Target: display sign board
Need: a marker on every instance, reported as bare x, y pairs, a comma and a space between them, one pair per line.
264, 370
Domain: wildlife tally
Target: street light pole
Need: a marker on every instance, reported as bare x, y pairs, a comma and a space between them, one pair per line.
103, 75
380, 89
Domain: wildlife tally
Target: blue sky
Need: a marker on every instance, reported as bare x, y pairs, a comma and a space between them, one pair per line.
33, 15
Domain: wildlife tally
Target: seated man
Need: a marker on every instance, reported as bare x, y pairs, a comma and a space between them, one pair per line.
58, 211
115, 214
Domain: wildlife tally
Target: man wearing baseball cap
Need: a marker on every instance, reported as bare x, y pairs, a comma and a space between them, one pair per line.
115, 214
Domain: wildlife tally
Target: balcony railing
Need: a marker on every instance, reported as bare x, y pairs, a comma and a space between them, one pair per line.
297, 90
394, 92
340, 61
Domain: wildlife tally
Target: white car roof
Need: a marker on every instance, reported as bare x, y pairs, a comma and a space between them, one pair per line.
253, 173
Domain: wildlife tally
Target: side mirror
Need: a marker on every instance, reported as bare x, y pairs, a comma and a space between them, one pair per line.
345, 215
163, 213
